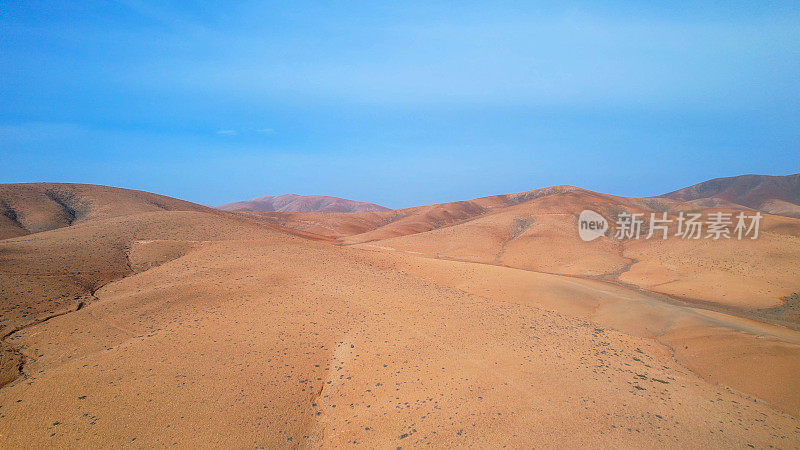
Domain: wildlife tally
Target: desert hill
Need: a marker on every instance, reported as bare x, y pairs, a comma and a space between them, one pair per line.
774, 194
443, 325
365, 227
541, 235
537, 230
33, 207
71, 239
302, 203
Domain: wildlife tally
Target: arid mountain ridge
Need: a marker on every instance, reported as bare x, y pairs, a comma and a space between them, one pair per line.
772, 194
778, 195
443, 324
33, 207
302, 203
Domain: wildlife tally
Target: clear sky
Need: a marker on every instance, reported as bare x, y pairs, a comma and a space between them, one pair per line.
398, 103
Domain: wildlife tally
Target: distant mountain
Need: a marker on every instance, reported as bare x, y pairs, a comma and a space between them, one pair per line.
773, 194
302, 203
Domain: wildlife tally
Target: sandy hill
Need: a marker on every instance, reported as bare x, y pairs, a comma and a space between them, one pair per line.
302, 203
65, 241
541, 235
774, 194
537, 230
357, 228
33, 207
443, 325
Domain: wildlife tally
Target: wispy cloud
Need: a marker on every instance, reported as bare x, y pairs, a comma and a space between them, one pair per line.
227, 132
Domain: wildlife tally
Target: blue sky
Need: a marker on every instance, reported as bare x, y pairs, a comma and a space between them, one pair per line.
398, 103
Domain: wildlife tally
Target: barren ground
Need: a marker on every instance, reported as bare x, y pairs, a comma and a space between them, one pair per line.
194, 328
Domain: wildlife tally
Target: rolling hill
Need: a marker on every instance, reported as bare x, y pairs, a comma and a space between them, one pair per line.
773, 194
135, 319
537, 230
34, 207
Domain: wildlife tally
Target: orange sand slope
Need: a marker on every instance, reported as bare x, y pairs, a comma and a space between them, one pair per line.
541, 235
34, 207
214, 329
537, 231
